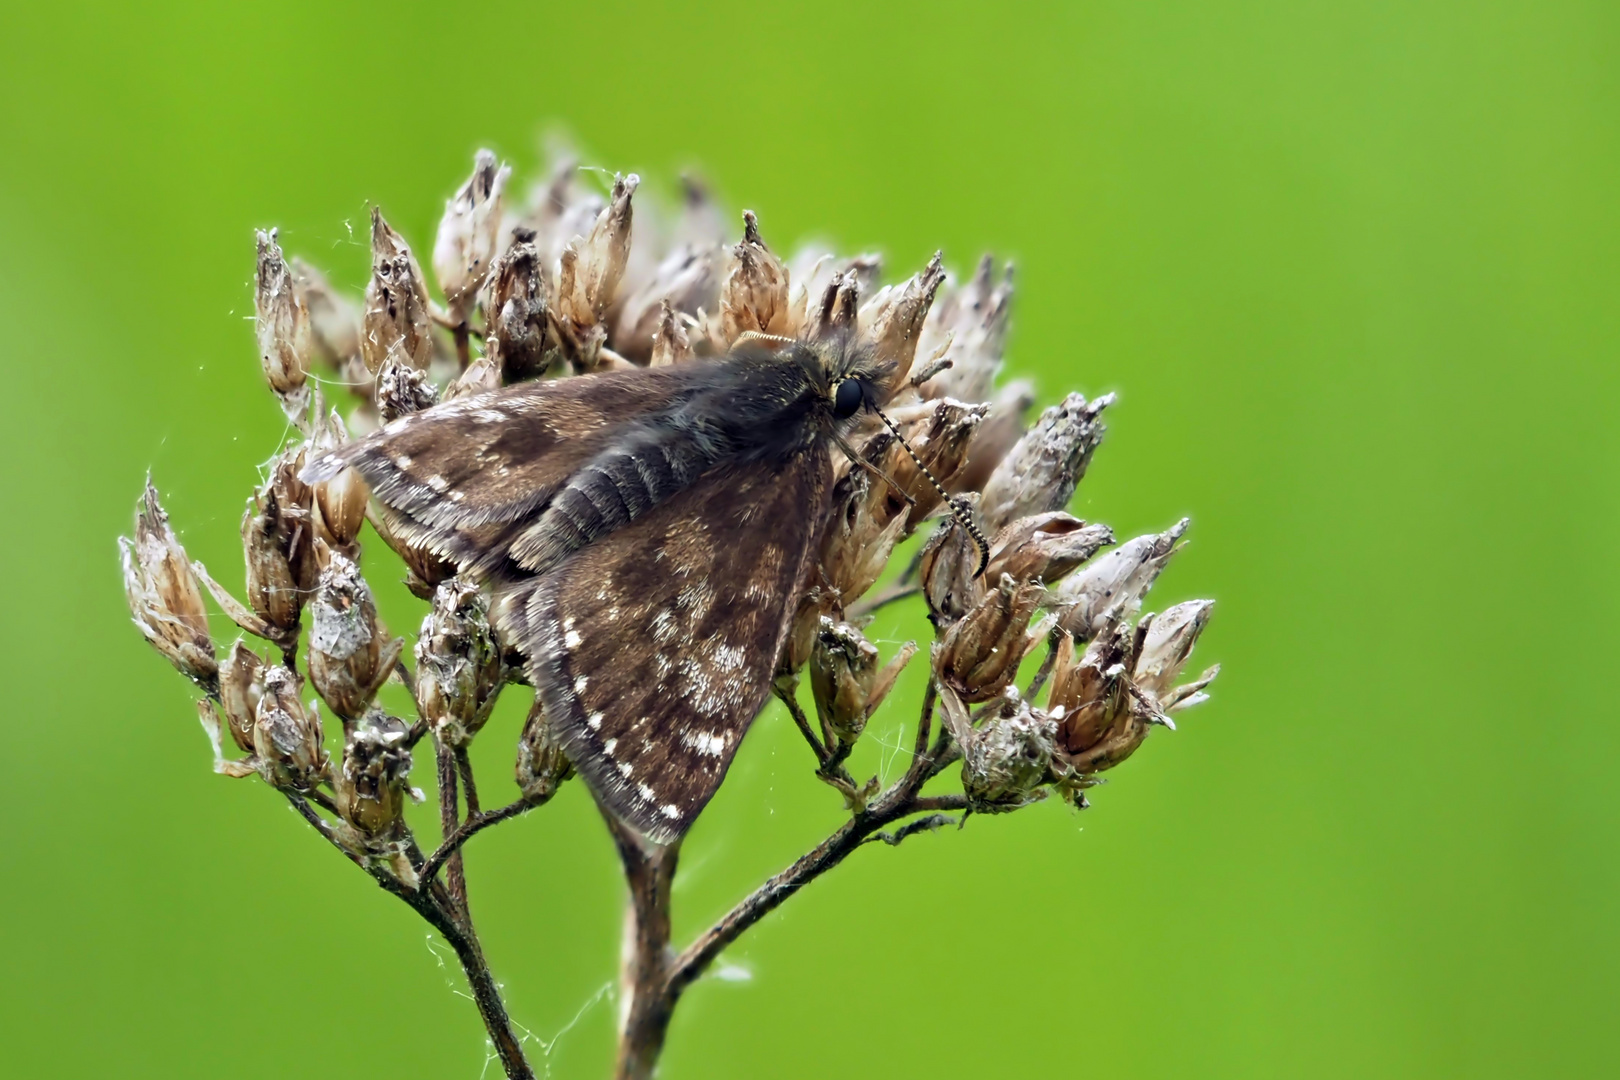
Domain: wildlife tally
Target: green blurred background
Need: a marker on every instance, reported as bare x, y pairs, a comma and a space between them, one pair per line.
1351, 268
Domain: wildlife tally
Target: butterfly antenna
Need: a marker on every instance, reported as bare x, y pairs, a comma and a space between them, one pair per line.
961, 513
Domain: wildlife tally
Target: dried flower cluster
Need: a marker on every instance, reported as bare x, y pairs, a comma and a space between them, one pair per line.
574, 281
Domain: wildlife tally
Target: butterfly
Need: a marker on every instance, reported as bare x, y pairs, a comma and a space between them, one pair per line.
646, 533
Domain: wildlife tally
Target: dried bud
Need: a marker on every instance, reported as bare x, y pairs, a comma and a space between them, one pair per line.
282, 326
996, 434
515, 310
1112, 587
671, 345
341, 501
968, 327
396, 322
163, 596
458, 665
686, 281
847, 681
241, 684
287, 734
947, 569
1007, 759
465, 246
1167, 644
837, 309
754, 295
893, 318
278, 541
1040, 473
374, 782
541, 765
1044, 547
857, 544
402, 389
978, 656
349, 658
334, 319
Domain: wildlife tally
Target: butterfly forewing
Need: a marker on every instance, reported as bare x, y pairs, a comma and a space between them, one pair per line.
653, 648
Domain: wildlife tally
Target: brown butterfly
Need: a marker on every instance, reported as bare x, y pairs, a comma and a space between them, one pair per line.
647, 534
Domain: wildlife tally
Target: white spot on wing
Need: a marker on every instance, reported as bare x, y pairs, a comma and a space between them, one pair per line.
595, 721
572, 639
646, 793
607, 747
672, 811
579, 684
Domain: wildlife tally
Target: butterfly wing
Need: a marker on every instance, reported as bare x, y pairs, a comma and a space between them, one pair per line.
461, 478
653, 648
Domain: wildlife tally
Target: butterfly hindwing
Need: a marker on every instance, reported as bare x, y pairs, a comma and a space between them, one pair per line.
653, 648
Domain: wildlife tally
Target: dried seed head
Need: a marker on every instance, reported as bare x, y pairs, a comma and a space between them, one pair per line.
754, 294
1089, 694
685, 282
947, 568
978, 656
334, 319
1166, 645
458, 664
968, 327
857, 544
515, 310
281, 324
1112, 587
671, 344
465, 246
1044, 547
541, 765
1007, 759
893, 318
374, 781
1041, 472
278, 540
164, 599
287, 734
349, 655
939, 433
996, 434
815, 602
340, 502
402, 389
589, 270
847, 680
425, 570
396, 321
837, 309
241, 684
481, 376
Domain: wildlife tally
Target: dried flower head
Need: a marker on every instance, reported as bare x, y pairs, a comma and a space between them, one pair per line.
281, 324
657, 550
465, 247
163, 596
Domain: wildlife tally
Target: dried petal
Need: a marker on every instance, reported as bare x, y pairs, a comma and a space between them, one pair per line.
334, 319
241, 684
671, 345
341, 501
893, 318
968, 327
996, 434
947, 569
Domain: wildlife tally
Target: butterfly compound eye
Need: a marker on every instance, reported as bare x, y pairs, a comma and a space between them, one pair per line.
847, 398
